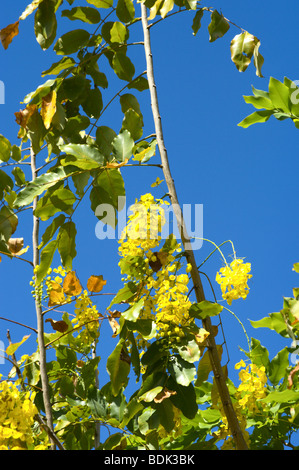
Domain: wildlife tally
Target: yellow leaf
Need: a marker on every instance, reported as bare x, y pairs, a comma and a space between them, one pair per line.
117, 165
56, 294
96, 283
58, 325
8, 33
11, 349
48, 108
71, 284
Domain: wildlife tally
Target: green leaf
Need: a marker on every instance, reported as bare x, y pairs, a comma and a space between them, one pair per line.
51, 230
45, 24
296, 267
118, 33
274, 321
75, 87
16, 154
36, 96
204, 369
145, 326
125, 10
37, 131
185, 398
278, 366
5, 149
67, 243
108, 187
259, 102
19, 176
59, 200
259, 355
71, 42
243, 47
197, 21
205, 309
123, 66
57, 67
256, 117
132, 314
104, 138
139, 83
38, 186
46, 258
122, 146
133, 123
6, 183
155, 353
218, 26
101, 3
182, 371
93, 103
125, 294
279, 95
83, 156
86, 14
8, 222
118, 368
284, 396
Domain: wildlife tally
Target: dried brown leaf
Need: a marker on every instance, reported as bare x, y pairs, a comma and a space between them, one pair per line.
58, 325
8, 33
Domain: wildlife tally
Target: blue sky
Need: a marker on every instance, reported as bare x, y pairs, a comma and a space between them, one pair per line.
246, 179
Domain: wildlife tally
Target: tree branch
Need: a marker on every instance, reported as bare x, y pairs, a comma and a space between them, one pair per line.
198, 288
39, 315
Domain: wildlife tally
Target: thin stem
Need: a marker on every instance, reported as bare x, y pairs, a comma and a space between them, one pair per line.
245, 332
17, 257
198, 288
39, 315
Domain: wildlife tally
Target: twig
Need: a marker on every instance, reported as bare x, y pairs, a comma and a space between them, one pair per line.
18, 323
212, 348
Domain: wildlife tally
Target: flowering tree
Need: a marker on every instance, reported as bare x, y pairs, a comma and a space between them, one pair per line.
161, 318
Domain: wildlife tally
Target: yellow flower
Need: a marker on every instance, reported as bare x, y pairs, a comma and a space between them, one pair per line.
233, 280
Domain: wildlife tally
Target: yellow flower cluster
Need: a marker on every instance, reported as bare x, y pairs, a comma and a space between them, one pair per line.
252, 387
86, 316
233, 280
143, 227
164, 288
17, 412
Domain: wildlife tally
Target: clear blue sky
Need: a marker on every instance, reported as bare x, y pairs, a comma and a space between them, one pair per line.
247, 180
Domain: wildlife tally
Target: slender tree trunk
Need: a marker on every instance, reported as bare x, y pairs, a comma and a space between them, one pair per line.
198, 288
39, 315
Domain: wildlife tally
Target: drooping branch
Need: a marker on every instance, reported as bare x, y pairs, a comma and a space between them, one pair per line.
198, 288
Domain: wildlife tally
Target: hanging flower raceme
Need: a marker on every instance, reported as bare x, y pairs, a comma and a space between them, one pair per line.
164, 285
233, 280
17, 412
